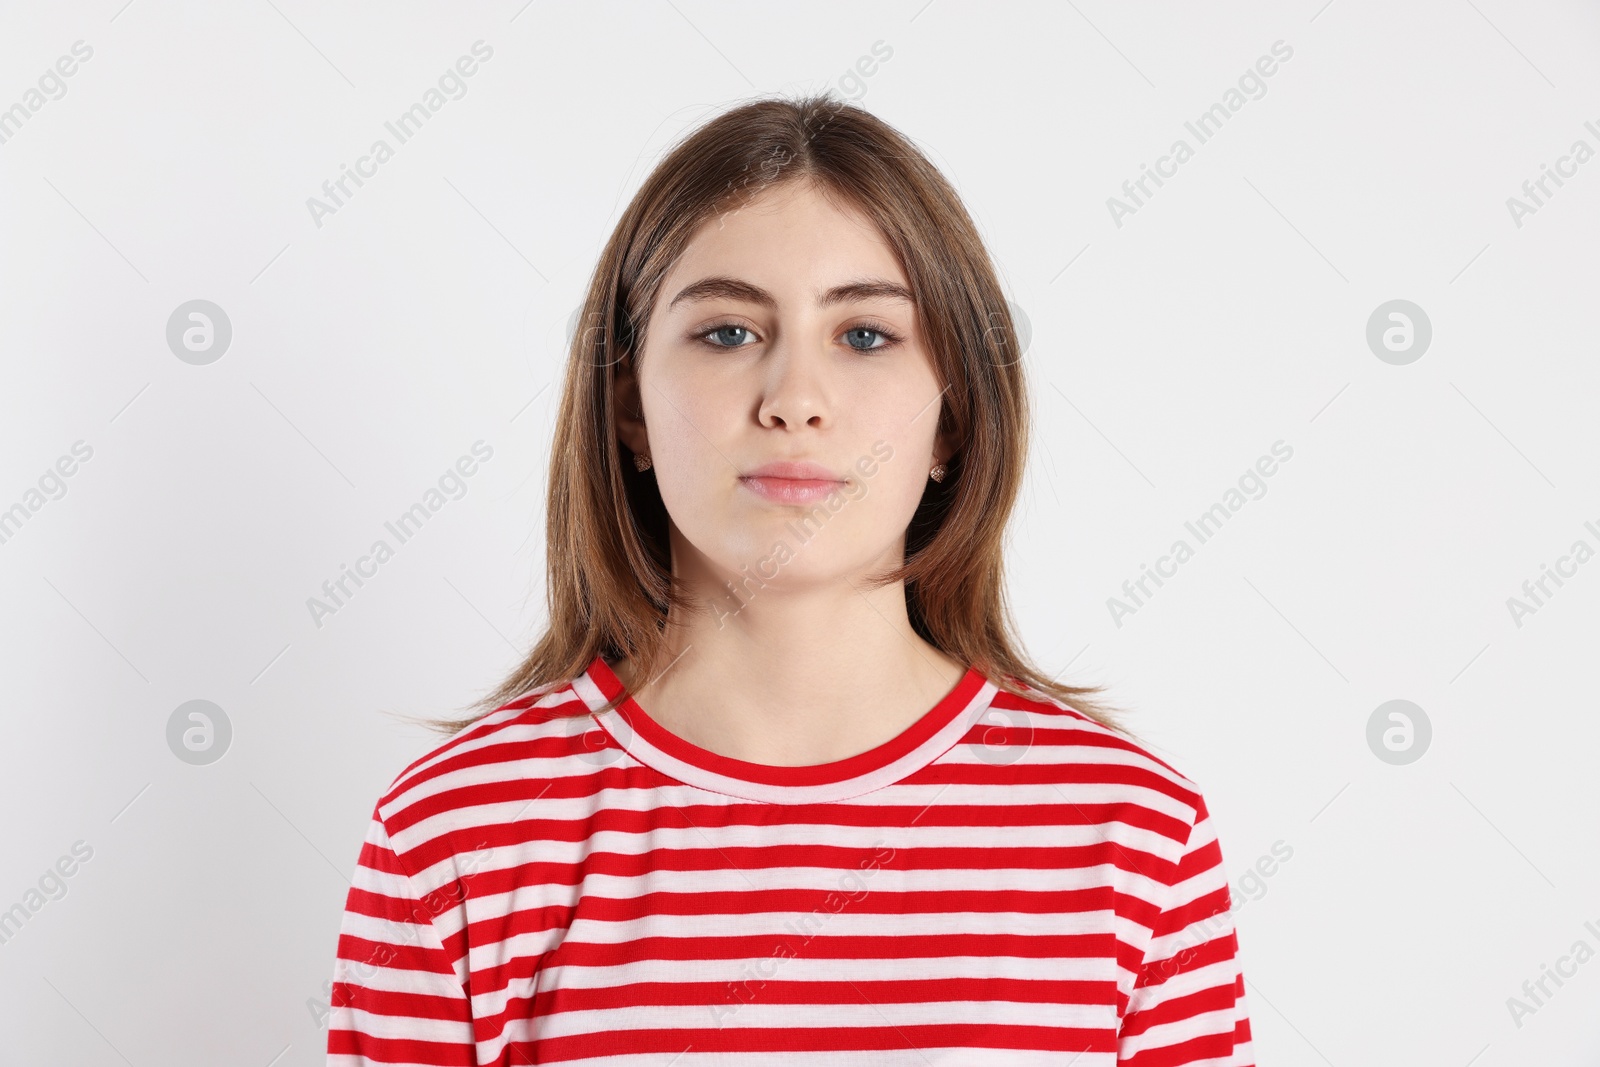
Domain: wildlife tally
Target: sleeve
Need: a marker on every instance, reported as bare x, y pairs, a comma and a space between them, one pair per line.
1188, 1006
396, 997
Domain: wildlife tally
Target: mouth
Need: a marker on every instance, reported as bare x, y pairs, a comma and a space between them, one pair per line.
791, 483
791, 490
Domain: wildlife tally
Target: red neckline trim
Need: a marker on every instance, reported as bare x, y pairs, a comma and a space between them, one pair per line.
915, 735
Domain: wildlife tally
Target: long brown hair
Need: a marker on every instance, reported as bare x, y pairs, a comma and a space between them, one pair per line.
610, 584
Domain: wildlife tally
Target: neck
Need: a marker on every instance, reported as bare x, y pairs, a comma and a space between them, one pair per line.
793, 673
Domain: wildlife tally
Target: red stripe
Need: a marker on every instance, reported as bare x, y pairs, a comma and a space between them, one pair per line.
1201, 1002
386, 1050
403, 956
1027, 857
1208, 1047
404, 1005
720, 996
1188, 959
747, 1040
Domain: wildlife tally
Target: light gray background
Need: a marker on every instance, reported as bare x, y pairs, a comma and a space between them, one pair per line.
1167, 355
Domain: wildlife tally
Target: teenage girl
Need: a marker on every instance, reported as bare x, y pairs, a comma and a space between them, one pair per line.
778, 785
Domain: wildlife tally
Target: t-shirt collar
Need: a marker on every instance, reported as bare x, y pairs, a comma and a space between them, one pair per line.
933, 734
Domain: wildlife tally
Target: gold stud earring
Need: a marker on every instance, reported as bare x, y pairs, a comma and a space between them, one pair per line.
937, 473
641, 462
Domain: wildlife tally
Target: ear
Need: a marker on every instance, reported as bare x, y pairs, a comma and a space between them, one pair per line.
627, 407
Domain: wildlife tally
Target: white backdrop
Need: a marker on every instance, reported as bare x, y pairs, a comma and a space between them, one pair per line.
1435, 863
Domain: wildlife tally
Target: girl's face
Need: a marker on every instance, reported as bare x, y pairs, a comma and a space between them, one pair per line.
785, 334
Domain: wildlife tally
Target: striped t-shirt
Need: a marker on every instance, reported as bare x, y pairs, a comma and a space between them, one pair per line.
1006, 882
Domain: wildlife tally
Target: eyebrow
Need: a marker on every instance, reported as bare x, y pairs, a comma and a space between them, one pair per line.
735, 289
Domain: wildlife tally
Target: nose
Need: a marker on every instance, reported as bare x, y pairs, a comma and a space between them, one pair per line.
795, 390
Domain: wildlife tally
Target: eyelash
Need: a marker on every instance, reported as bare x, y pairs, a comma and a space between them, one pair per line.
891, 338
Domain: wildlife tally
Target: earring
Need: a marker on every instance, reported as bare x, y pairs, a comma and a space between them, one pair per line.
641, 462
937, 473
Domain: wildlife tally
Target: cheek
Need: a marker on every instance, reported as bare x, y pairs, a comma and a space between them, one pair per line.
895, 486
899, 485
690, 427
905, 430
690, 420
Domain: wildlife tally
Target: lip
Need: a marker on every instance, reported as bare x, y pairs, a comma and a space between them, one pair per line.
791, 482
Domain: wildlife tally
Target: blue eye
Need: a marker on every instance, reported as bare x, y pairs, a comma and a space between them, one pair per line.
852, 335
723, 330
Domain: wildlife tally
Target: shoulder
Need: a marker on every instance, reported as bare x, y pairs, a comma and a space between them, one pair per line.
1103, 762
478, 775
1153, 813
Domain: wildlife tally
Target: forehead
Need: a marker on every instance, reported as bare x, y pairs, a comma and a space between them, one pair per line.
792, 241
